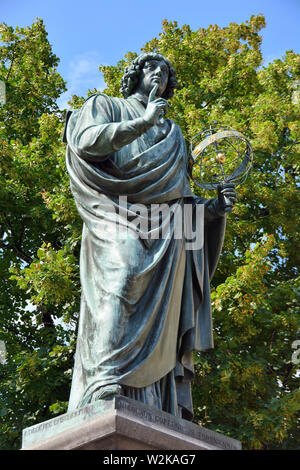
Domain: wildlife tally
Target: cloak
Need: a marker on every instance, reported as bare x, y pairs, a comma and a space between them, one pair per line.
145, 299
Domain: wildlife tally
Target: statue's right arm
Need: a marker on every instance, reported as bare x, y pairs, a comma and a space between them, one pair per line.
94, 136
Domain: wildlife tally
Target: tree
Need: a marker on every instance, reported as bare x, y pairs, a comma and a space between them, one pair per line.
247, 387
32, 163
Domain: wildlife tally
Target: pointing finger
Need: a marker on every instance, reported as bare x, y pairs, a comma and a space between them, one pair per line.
153, 93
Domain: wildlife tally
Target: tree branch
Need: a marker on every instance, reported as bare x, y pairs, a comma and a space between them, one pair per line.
16, 245
289, 368
46, 318
11, 64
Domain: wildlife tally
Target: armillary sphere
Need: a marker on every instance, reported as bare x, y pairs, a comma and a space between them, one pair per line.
219, 155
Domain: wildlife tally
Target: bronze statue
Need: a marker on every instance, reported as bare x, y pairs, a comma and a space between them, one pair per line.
145, 303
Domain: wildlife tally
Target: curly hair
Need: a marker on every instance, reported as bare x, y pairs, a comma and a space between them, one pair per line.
132, 74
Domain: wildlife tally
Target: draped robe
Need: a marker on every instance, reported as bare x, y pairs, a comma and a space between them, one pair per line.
145, 302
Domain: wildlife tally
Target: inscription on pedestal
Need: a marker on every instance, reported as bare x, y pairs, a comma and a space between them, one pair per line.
177, 424
128, 407
64, 422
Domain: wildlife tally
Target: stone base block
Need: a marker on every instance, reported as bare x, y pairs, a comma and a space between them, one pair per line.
122, 424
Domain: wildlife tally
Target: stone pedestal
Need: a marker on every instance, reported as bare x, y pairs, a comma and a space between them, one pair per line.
122, 424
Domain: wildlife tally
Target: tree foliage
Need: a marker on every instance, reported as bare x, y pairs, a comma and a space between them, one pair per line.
37, 248
247, 387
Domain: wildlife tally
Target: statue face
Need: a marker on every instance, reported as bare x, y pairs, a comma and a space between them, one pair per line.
154, 72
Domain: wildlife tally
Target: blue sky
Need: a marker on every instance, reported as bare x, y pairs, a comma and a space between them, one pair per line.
86, 33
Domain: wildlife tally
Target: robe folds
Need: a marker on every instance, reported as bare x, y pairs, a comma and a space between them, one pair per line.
145, 300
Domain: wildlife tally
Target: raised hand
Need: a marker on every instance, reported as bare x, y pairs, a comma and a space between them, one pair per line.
226, 196
155, 107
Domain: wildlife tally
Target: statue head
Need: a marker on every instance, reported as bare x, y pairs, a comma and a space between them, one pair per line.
132, 75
